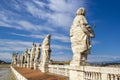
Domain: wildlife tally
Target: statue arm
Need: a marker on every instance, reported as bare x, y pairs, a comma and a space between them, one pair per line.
86, 28
71, 32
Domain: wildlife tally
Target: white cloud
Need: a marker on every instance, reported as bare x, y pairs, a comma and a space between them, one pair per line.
55, 36
30, 35
61, 37
18, 45
39, 3
59, 47
103, 58
33, 27
60, 56
62, 11
94, 42
5, 56
14, 45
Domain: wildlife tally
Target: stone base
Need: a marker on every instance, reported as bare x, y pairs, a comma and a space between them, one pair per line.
35, 66
44, 68
75, 74
28, 66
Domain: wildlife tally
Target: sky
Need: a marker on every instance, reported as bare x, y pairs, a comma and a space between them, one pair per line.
23, 22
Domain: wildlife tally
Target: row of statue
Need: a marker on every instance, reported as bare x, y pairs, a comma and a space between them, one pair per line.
30, 57
80, 35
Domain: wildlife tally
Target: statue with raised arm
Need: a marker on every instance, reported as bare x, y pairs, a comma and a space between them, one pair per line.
32, 55
37, 56
45, 53
80, 35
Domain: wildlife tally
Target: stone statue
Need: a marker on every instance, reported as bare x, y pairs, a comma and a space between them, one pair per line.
18, 60
32, 55
45, 53
80, 35
22, 60
25, 58
37, 56
28, 57
14, 58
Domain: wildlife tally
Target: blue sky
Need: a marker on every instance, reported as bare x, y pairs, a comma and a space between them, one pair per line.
25, 21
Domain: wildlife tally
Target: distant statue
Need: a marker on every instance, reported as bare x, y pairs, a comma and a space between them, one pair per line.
37, 56
80, 35
18, 60
22, 60
46, 50
14, 58
32, 55
28, 57
25, 57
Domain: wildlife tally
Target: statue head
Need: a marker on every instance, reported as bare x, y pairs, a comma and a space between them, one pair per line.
48, 36
81, 11
39, 45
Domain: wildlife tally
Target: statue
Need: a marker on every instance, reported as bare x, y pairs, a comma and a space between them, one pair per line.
18, 60
28, 57
25, 58
32, 55
45, 53
37, 56
80, 35
22, 60
14, 58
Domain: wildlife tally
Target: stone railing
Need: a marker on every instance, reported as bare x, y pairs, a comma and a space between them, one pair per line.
94, 73
86, 72
59, 69
17, 75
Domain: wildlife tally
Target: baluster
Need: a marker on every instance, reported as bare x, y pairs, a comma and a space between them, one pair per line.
116, 77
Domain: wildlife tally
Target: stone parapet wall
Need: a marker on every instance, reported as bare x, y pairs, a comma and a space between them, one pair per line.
59, 69
94, 73
86, 72
17, 75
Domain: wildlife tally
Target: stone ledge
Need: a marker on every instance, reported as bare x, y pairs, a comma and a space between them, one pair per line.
18, 76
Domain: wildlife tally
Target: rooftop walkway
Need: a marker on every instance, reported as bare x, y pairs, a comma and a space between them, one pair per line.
37, 75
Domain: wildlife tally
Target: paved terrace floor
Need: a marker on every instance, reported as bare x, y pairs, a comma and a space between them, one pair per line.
37, 75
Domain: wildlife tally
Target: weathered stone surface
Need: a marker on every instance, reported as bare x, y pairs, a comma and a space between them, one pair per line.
28, 57
32, 55
45, 53
14, 58
37, 56
80, 35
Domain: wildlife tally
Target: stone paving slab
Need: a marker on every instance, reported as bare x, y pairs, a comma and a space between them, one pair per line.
37, 75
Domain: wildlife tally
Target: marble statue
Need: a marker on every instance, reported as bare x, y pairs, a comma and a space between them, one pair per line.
32, 55
37, 56
25, 58
22, 60
45, 53
80, 35
18, 60
28, 57
14, 58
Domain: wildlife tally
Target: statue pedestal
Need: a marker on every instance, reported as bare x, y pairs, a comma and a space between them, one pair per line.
75, 74
23, 65
35, 66
44, 68
28, 65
